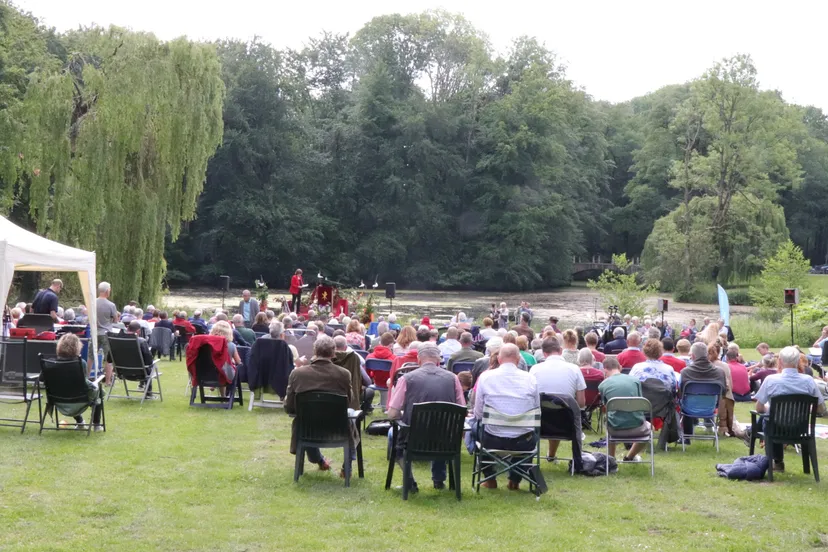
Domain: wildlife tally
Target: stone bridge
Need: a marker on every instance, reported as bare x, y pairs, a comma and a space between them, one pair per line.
598, 263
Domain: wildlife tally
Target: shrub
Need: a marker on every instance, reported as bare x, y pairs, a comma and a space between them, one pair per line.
788, 268
750, 331
622, 289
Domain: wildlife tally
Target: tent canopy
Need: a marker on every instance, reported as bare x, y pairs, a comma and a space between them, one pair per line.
26, 251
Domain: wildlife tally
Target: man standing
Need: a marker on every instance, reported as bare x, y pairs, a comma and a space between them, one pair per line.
510, 391
46, 300
428, 383
623, 424
466, 353
788, 382
107, 316
555, 375
320, 375
632, 355
248, 308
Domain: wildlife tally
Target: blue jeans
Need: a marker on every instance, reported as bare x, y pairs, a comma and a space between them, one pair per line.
438, 468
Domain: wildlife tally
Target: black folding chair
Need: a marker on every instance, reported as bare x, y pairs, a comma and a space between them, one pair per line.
791, 421
63, 382
435, 434
207, 376
593, 404
322, 421
558, 423
17, 384
128, 366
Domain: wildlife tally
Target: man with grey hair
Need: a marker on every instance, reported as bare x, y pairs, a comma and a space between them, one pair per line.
366, 394
618, 343
702, 370
320, 375
788, 382
197, 321
466, 353
246, 334
632, 355
248, 308
107, 316
428, 383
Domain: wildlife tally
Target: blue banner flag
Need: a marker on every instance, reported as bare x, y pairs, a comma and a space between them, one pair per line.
724, 305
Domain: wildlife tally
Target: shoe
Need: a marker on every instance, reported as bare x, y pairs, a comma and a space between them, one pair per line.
490, 484
686, 441
746, 436
79, 425
324, 465
414, 489
513, 485
439, 485
778, 466
551, 458
97, 429
636, 458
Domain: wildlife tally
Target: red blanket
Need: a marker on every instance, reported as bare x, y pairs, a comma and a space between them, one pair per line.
218, 351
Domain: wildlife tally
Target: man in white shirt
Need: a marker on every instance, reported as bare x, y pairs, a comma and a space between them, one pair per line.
555, 375
510, 391
451, 345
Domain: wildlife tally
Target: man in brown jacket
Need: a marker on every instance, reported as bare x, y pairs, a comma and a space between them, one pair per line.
320, 375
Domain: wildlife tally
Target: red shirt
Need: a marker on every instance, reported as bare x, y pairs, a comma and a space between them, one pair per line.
296, 284
741, 381
630, 357
676, 363
598, 355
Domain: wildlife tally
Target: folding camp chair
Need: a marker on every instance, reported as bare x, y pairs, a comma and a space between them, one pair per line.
260, 353
207, 375
632, 404
162, 342
18, 385
182, 339
435, 434
458, 367
558, 423
791, 421
128, 366
322, 421
380, 369
524, 463
63, 382
699, 399
362, 353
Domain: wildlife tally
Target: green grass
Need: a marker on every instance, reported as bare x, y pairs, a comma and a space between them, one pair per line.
168, 477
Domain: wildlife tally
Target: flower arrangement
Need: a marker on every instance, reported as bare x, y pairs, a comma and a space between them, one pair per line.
261, 290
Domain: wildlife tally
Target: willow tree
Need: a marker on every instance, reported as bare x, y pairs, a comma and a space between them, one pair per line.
116, 145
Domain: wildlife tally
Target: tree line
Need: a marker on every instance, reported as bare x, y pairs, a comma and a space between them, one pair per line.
410, 151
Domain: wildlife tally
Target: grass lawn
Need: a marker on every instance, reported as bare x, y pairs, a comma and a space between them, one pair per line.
168, 477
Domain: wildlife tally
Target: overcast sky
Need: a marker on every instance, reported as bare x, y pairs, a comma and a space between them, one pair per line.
616, 49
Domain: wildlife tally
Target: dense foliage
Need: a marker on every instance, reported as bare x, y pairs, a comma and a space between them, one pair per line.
408, 152
105, 142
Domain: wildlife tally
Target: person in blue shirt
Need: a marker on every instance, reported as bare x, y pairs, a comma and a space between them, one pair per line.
392, 323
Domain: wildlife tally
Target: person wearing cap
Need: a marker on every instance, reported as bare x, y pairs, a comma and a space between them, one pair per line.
428, 383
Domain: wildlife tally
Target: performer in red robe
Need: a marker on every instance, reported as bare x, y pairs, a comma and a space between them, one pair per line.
296, 284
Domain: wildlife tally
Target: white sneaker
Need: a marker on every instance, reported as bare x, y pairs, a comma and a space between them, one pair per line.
80, 425
97, 428
636, 458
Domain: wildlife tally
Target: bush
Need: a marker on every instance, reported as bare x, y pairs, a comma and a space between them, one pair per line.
708, 294
621, 288
788, 268
751, 330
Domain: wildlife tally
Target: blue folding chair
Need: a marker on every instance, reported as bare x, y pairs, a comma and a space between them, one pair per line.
382, 371
458, 367
700, 400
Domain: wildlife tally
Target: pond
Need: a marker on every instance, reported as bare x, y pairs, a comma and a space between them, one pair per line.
573, 305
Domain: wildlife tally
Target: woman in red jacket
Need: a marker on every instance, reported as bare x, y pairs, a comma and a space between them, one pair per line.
296, 284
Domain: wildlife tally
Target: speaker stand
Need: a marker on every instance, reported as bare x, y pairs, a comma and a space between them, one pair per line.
392, 305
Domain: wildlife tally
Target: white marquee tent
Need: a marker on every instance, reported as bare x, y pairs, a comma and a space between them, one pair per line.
26, 251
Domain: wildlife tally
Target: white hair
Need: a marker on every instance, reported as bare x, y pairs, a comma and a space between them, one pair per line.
618, 332
196, 313
104, 287
238, 319
422, 327
138, 313
21, 306
59, 312
585, 357
346, 320
69, 315
493, 345
502, 331
789, 357
461, 317
392, 318
150, 308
